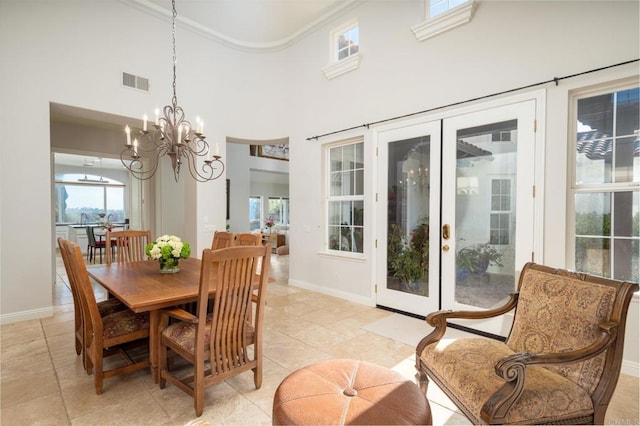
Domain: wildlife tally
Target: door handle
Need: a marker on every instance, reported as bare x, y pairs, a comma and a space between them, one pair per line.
445, 231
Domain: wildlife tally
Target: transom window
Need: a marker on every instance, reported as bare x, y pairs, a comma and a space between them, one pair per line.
606, 185
437, 7
346, 198
347, 42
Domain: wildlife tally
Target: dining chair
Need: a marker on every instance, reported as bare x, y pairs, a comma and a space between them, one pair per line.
217, 343
127, 246
248, 239
94, 245
105, 307
222, 239
108, 335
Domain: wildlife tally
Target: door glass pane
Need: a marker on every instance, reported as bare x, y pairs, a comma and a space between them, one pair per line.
408, 216
255, 213
486, 176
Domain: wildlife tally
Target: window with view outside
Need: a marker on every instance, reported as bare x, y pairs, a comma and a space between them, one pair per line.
279, 210
500, 217
255, 213
438, 7
90, 202
347, 43
346, 198
606, 190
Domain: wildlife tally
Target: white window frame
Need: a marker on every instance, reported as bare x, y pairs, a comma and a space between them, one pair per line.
453, 18
508, 211
589, 188
337, 66
349, 198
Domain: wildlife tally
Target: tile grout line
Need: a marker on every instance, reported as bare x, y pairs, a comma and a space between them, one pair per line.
55, 372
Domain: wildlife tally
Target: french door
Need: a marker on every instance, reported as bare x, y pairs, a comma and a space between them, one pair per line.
449, 194
487, 209
409, 208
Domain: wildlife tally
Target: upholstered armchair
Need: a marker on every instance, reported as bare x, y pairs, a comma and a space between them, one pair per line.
559, 364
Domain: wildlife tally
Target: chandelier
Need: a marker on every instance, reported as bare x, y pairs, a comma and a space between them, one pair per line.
173, 136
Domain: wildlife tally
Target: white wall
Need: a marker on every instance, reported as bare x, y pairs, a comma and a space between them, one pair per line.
70, 54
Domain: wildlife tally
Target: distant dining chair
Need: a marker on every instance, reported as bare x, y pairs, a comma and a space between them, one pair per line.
106, 307
217, 343
94, 245
105, 335
248, 239
222, 239
127, 246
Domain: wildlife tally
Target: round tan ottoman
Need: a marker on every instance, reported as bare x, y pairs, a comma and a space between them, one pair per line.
349, 392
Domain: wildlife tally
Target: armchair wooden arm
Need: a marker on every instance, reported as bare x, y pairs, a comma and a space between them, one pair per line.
439, 320
513, 368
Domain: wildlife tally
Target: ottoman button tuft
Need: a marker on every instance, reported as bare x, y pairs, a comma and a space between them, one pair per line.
350, 392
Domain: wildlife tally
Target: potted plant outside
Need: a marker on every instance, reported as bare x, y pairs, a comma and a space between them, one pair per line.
408, 258
476, 258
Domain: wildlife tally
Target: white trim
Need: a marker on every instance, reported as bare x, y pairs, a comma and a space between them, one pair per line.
165, 14
367, 301
431, 27
342, 67
26, 315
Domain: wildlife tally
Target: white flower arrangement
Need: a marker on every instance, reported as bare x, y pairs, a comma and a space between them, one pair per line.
168, 247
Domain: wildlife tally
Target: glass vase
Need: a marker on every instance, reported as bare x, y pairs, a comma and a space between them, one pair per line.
169, 266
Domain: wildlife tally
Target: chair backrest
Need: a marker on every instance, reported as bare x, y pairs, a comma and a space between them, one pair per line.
91, 236
222, 239
77, 309
79, 278
235, 270
127, 246
560, 311
248, 239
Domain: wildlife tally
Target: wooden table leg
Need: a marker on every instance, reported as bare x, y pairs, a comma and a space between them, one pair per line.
154, 344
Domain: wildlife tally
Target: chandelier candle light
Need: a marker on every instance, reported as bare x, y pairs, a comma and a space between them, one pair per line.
174, 136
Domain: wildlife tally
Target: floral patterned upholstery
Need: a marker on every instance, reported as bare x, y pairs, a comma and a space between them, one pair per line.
559, 364
110, 306
124, 322
540, 327
465, 367
184, 335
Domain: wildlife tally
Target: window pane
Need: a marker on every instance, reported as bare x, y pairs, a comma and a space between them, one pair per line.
85, 199
359, 187
607, 148
625, 224
334, 213
625, 255
347, 43
115, 203
593, 256
255, 213
593, 214
335, 159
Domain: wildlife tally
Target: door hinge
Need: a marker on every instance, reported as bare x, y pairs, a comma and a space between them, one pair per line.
533, 188
535, 126
376, 197
376, 243
533, 256
375, 289
376, 151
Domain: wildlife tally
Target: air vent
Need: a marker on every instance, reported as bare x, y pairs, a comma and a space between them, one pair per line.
134, 81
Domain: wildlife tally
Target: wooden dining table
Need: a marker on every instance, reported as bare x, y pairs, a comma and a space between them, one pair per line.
142, 288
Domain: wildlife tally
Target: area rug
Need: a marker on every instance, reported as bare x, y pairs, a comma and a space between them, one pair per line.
399, 327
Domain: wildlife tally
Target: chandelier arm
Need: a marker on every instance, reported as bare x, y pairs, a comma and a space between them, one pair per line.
172, 135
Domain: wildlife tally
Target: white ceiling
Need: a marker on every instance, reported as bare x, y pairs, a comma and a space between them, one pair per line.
253, 24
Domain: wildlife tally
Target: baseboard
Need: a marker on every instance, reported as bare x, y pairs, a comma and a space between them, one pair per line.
26, 315
630, 368
333, 292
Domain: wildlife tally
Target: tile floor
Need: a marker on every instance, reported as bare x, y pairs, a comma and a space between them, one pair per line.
43, 382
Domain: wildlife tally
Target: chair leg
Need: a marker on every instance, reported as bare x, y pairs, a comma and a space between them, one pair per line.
98, 375
198, 387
